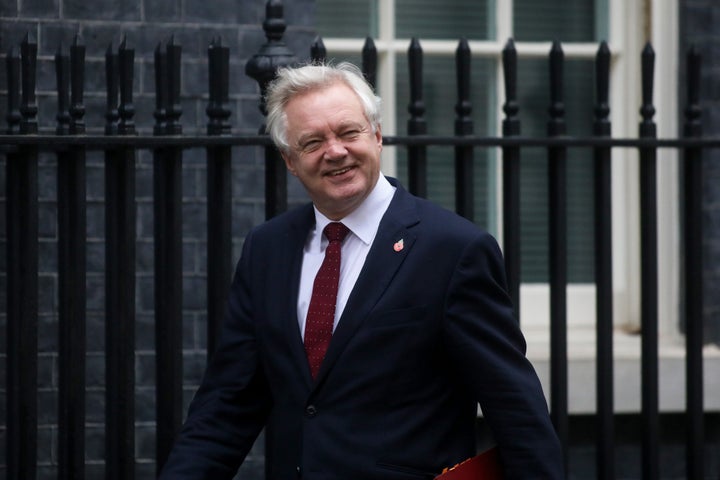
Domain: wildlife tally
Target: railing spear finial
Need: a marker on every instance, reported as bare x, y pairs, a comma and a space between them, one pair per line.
273, 54
28, 107
77, 85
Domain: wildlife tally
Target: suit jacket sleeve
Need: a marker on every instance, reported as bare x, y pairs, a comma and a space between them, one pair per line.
232, 404
488, 351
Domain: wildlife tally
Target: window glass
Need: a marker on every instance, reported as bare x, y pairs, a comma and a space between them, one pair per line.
534, 100
346, 18
561, 20
449, 19
533, 21
440, 97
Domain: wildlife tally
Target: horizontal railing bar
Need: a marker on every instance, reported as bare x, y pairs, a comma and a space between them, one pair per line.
478, 48
561, 141
99, 142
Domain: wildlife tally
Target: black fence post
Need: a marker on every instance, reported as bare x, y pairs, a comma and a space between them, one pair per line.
511, 177
167, 201
417, 154
71, 179
369, 62
77, 86
62, 76
28, 66
12, 67
648, 274
318, 52
464, 168
219, 192
262, 67
120, 215
22, 269
126, 69
693, 258
112, 77
605, 459
557, 221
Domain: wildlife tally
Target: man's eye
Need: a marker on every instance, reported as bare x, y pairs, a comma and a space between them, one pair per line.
350, 134
310, 145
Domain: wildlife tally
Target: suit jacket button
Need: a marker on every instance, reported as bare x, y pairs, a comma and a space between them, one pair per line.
310, 411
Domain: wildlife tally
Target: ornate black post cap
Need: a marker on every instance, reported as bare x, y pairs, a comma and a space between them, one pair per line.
273, 54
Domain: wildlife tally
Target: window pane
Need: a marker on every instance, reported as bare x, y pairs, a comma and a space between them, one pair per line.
440, 97
346, 18
533, 97
561, 20
449, 19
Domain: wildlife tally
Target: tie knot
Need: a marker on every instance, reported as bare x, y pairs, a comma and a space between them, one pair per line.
335, 231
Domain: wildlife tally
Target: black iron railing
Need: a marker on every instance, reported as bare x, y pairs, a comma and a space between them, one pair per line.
120, 144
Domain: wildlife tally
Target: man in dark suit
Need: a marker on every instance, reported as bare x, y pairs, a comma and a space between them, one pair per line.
380, 376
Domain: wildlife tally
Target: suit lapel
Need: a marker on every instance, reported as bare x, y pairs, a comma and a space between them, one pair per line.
292, 264
391, 246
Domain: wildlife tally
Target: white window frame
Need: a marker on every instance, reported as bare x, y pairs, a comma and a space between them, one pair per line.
631, 24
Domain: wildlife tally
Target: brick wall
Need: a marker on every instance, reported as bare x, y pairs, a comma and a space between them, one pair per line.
100, 23
699, 20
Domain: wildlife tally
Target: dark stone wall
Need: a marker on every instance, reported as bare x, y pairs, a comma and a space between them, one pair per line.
102, 23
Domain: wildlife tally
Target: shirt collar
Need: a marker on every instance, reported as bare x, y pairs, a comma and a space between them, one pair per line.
364, 221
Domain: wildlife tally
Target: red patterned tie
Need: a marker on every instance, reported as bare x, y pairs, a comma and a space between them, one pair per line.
321, 313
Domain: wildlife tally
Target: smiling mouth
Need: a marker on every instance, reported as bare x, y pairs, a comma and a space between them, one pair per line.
339, 172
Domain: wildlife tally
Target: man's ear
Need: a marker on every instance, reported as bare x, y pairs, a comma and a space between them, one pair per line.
288, 162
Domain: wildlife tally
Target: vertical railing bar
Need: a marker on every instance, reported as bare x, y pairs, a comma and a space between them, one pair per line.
557, 191
77, 86
167, 200
464, 168
12, 67
219, 193
262, 68
28, 66
318, 52
112, 76
694, 285
511, 177
22, 269
62, 76
649, 275
605, 459
126, 69
417, 154
120, 215
369, 62
160, 114
71, 179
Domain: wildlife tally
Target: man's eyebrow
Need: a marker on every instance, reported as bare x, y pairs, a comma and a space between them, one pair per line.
302, 139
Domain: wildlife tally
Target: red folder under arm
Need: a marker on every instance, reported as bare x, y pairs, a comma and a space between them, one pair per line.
484, 466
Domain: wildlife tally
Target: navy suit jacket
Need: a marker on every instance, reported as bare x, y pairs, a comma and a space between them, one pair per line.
427, 334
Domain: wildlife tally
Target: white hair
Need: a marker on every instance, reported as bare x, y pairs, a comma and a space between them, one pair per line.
290, 82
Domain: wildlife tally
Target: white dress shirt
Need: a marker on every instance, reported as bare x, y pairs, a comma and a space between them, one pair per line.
363, 223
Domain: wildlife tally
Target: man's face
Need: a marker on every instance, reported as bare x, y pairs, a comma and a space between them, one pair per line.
332, 148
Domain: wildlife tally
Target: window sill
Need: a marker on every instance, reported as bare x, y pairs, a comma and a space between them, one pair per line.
626, 352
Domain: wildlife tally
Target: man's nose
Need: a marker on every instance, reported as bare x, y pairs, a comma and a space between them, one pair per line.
335, 149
